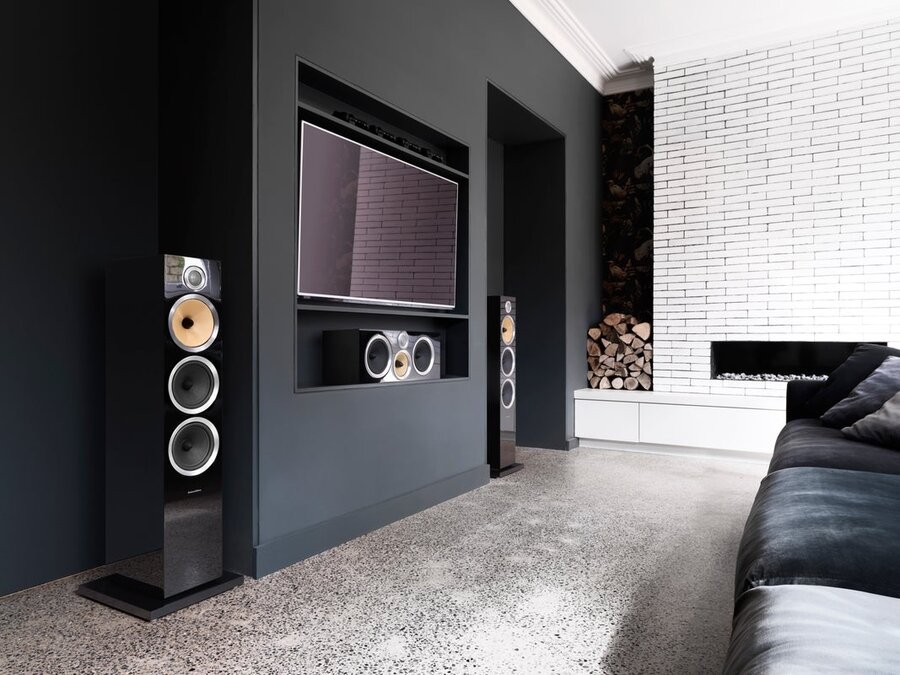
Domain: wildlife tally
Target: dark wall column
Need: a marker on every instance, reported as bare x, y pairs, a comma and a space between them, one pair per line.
78, 142
534, 238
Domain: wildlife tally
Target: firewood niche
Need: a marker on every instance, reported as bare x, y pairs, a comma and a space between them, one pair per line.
620, 354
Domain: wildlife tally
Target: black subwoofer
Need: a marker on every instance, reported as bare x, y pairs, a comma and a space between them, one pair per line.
164, 364
501, 394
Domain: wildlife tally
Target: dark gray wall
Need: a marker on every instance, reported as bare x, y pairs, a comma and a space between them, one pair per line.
526, 175
79, 188
494, 225
334, 464
534, 250
78, 143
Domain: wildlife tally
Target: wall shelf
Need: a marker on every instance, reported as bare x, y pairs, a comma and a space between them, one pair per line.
376, 385
306, 306
314, 114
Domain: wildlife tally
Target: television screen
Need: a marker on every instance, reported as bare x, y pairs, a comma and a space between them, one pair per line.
373, 228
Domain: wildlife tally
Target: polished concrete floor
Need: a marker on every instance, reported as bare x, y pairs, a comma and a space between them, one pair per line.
585, 562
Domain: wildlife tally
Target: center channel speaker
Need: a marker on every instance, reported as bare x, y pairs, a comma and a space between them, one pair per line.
356, 356
164, 370
501, 394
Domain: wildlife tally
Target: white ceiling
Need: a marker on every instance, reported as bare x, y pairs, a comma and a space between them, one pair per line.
606, 40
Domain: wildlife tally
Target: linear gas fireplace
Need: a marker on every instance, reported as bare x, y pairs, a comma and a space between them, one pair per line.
777, 361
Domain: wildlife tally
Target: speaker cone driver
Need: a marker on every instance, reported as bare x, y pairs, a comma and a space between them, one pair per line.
193, 446
193, 384
507, 330
401, 364
508, 394
508, 361
193, 322
377, 357
423, 355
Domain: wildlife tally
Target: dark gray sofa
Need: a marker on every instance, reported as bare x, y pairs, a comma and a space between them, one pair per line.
816, 583
814, 629
807, 442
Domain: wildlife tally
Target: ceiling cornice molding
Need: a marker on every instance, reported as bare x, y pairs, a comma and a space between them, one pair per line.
629, 80
752, 37
555, 21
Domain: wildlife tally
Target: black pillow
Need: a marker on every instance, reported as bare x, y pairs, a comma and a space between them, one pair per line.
882, 427
858, 366
866, 397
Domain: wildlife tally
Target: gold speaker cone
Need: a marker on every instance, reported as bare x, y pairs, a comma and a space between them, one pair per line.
193, 323
401, 364
507, 330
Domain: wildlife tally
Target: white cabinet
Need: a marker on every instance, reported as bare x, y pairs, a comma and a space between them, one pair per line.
714, 422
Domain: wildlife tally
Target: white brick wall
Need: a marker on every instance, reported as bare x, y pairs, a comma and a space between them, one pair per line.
777, 201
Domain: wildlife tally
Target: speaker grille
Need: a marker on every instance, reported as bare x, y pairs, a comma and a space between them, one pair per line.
508, 361
193, 384
193, 323
377, 357
193, 446
423, 355
508, 393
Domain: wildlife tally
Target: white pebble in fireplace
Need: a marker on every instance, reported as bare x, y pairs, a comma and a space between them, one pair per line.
769, 377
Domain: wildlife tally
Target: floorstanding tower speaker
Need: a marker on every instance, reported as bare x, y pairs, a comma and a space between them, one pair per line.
164, 371
501, 395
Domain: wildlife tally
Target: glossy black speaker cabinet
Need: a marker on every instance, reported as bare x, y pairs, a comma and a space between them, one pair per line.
164, 372
501, 395
353, 356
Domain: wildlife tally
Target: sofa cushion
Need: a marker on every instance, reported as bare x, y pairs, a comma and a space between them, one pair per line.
828, 527
814, 629
807, 442
866, 397
881, 427
859, 365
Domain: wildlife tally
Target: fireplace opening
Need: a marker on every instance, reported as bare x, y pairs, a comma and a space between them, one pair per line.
778, 361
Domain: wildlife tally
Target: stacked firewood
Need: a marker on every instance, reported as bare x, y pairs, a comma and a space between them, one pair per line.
620, 354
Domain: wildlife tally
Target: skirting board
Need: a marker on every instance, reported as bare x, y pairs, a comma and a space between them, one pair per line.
283, 551
678, 450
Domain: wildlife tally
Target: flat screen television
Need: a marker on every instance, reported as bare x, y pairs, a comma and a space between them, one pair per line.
373, 228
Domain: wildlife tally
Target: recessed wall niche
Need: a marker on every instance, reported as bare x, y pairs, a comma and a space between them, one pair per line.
627, 208
336, 106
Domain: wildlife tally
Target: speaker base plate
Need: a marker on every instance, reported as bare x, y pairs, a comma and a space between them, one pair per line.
506, 470
145, 601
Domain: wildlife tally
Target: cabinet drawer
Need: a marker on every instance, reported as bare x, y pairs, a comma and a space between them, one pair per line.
710, 427
606, 420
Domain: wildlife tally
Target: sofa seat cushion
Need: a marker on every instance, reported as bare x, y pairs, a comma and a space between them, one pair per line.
807, 442
814, 629
828, 527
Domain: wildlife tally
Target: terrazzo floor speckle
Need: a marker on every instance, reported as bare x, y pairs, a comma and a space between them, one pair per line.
585, 562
